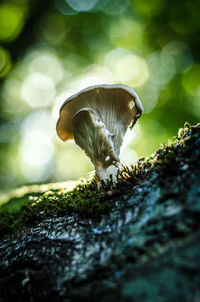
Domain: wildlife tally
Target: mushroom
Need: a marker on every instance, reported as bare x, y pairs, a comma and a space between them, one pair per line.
97, 118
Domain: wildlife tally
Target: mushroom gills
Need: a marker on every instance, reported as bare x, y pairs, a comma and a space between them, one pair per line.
91, 134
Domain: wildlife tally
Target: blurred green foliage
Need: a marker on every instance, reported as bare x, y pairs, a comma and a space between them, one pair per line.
51, 49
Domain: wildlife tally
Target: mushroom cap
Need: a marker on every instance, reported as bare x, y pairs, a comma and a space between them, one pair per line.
116, 106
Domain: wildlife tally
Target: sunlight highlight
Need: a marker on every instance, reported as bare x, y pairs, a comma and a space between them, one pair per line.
38, 90
126, 67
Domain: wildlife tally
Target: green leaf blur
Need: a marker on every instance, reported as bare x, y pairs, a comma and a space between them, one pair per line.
52, 49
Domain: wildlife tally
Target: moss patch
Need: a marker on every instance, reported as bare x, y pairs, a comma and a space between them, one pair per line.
89, 200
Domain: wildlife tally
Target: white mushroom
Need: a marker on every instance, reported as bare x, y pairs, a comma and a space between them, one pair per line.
97, 118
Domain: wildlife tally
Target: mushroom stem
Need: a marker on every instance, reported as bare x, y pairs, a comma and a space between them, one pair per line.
105, 174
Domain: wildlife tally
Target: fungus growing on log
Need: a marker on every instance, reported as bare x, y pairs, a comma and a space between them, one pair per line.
97, 118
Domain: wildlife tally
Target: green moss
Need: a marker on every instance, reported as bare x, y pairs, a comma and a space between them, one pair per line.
86, 198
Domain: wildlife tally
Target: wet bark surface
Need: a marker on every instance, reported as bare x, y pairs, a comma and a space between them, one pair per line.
146, 249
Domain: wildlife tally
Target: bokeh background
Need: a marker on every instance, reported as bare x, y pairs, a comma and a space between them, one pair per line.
52, 49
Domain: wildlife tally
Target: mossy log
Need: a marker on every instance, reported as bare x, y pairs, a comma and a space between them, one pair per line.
137, 241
